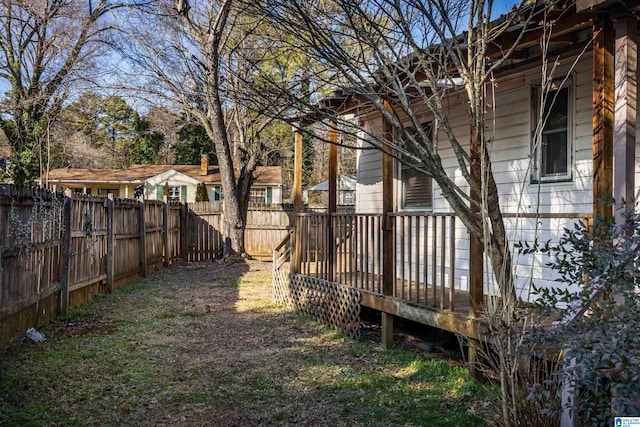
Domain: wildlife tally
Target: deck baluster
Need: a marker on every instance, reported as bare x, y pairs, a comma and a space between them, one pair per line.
452, 261
443, 252
417, 278
434, 250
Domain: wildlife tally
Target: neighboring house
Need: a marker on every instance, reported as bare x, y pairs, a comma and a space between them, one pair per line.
346, 190
148, 181
428, 261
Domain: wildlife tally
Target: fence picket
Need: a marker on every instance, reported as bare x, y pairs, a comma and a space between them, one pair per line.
59, 251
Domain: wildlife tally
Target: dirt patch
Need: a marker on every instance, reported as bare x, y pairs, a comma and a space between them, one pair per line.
85, 325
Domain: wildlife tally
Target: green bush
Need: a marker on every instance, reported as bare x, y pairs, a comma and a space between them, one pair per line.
599, 325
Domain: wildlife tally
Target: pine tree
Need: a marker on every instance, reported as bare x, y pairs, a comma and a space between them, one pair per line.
201, 193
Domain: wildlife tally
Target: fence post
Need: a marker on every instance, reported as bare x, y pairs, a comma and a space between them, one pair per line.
165, 226
183, 233
111, 242
143, 242
66, 256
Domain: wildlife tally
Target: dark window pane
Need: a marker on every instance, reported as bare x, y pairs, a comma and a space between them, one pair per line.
416, 186
417, 189
554, 153
559, 110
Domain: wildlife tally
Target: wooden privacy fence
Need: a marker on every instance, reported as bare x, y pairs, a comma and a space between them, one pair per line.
59, 251
266, 226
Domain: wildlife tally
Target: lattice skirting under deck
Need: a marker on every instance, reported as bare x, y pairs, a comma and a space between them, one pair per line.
331, 304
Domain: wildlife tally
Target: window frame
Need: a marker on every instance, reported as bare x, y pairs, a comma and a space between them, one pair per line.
262, 190
107, 191
172, 197
537, 152
402, 168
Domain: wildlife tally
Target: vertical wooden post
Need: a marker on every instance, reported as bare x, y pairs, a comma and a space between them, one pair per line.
333, 193
183, 233
297, 172
388, 250
603, 99
297, 199
143, 242
66, 256
165, 232
626, 69
110, 243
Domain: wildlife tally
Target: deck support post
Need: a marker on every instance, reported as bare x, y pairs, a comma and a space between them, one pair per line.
333, 193
626, 69
603, 103
388, 249
386, 336
297, 198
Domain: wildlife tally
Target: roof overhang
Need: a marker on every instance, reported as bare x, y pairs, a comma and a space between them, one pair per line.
84, 181
612, 6
569, 34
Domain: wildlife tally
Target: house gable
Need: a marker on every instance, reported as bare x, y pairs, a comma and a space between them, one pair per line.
183, 185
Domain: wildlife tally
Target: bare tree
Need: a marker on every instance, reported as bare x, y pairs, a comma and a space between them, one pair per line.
166, 123
196, 56
46, 46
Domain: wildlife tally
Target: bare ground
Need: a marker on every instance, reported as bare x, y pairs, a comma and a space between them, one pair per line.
201, 344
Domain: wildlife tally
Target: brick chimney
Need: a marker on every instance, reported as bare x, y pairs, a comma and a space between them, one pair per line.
204, 164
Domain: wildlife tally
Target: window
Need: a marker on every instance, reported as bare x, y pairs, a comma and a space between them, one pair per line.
218, 195
553, 153
174, 193
261, 195
348, 198
257, 195
107, 191
416, 188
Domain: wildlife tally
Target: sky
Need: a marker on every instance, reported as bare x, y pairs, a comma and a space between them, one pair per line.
502, 6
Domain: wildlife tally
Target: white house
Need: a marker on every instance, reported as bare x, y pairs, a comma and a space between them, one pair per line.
405, 251
148, 181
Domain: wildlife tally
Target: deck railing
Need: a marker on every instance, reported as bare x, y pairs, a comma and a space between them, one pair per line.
425, 258
430, 260
347, 249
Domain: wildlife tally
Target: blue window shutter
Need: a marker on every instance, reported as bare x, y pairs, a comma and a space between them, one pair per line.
269, 194
216, 193
183, 193
159, 191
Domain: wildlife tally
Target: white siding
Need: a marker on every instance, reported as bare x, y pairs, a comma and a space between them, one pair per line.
369, 175
174, 179
510, 127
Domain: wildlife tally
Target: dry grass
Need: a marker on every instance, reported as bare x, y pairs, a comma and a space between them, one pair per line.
202, 344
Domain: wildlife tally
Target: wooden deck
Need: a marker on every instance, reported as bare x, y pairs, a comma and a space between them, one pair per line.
430, 305
425, 258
